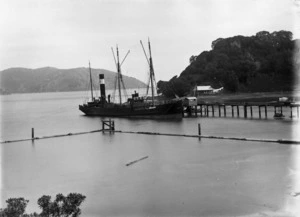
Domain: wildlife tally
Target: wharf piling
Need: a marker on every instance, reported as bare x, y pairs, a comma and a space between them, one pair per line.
220, 107
245, 111
266, 112
237, 110
296, 110
208, 109
32, 133
276, 110
110, 124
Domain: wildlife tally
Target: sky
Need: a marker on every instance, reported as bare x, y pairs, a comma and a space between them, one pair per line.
70, 33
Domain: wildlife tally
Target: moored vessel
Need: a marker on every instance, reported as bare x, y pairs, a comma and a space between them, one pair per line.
136, 106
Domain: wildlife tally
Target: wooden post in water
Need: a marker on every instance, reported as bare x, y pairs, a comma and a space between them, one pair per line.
213, 110
291, 111
207, 110
251, 111
113, 126
219, 111
238, 110
245, 111
199, 130
232, 110
259, 112
32, 133
196, 114
266, 113
201, 110
110, 124
224, 110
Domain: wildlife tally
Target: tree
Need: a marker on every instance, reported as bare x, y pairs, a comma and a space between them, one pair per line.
72, 203
62, 205
193, 59
180, 87
44, 203
239, 63
15, 207
213, 44
165, 88
231, 81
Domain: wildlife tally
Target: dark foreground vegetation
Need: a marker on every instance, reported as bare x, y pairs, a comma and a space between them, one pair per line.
60, 206
260, 63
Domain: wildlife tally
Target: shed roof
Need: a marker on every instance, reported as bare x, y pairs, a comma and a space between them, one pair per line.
190, 98
203, 88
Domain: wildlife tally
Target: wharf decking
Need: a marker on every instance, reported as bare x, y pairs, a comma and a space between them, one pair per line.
245, 110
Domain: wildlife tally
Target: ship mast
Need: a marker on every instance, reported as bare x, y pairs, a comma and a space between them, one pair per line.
151, 72
91, 81
119, 77
152, 76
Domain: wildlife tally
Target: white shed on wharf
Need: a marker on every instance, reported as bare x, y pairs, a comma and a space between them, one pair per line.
203, 90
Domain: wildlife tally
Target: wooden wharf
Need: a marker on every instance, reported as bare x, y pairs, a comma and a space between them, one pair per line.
240, 109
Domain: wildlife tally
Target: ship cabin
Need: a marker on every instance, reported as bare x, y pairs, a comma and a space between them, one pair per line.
135, 98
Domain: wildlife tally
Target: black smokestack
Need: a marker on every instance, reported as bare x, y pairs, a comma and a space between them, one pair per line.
102, 86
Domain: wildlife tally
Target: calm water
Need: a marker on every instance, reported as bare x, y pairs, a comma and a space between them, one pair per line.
181, 177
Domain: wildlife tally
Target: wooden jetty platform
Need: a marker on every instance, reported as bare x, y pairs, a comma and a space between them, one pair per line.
240, 109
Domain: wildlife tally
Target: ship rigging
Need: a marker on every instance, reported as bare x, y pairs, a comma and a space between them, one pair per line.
135, 106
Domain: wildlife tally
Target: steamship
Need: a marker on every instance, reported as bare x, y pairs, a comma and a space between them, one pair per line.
136, 106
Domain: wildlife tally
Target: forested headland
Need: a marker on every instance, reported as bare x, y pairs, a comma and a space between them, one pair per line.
260, 63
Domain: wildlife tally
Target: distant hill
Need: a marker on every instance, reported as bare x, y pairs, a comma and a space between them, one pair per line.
49, 79
263, 62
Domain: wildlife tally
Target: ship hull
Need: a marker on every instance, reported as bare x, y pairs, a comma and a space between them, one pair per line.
168, 110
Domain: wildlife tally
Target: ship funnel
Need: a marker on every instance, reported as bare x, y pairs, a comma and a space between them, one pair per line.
102, 86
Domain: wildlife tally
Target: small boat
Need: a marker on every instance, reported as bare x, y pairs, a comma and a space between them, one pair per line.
135, 106
278, 115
